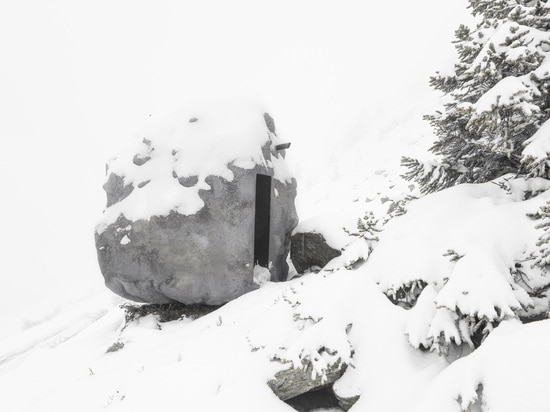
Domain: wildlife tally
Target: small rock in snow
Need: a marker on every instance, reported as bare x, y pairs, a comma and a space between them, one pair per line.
140, 160
261, 275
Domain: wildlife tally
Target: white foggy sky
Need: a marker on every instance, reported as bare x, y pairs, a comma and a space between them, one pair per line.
77, 78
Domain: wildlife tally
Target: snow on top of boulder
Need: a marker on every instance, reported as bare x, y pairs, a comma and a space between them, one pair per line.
170, 158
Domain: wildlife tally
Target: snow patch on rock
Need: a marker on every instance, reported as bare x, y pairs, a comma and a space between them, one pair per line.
199, 140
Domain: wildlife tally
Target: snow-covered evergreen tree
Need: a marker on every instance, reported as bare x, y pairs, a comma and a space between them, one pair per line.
496, 99
542, 258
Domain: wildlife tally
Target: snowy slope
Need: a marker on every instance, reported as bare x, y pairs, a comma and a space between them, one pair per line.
348, 138
492, 377
96, 360
223, 360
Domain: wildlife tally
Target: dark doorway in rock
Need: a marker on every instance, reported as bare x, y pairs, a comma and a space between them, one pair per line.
262, 220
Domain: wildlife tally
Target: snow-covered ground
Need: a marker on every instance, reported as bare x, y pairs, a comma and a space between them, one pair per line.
223, 360
349, 89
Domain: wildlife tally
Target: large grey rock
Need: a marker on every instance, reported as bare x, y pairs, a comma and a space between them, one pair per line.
310, 250
202, 258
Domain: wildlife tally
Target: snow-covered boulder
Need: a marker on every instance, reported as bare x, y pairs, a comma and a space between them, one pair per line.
195, 204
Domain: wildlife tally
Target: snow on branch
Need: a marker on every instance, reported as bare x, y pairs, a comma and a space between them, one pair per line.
455, 260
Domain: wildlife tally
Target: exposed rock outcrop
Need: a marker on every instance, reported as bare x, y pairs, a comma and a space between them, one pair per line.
310, 250
304, 388
293, 381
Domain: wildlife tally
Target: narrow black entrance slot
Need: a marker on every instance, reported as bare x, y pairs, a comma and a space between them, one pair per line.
262, 219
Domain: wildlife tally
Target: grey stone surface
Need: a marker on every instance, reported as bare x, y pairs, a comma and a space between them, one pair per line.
346, 403
291, 382
140, 160
205, 258
188, 181
116, 190
309, 250
269, 122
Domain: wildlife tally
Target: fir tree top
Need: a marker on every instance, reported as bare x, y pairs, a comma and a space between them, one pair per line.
497, 97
